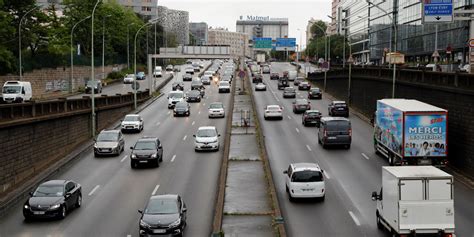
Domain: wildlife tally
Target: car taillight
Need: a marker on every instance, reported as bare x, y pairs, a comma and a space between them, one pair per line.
325, 133
448, 235
350, 132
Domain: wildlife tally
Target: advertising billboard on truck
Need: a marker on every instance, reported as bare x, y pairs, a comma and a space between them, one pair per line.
425, 135
389, 129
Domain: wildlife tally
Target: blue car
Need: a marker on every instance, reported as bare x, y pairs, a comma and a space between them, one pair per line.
141, 76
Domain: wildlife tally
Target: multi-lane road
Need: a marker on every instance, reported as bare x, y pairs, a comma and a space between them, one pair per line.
113, 192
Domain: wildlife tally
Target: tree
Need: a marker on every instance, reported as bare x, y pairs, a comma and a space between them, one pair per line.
7, 30
316, 47
318, 29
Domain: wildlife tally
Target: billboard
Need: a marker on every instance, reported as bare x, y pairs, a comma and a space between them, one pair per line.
285, 44
262, 43
388, 129
425, 135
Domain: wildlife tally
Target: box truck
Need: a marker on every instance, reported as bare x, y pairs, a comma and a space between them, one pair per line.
16, 92
415, 201
260, 58
410, 132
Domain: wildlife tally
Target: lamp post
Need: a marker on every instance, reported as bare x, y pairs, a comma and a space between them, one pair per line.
72, 53
92, 69
19, 39
153, 21
298, 56
128, 44
325, 54
344, 36
103, 45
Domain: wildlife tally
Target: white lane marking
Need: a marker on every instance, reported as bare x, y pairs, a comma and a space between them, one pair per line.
184, 138
156, 189
123, 159
309, 148
365, 156
297, 130
204, 104
172, 159
129, 235
277, 99
193, 123
169, 112
94, 189
354, 218
199, 112
326, 175
158, 124
289, 117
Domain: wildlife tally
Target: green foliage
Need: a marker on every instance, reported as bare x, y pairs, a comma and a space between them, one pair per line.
318, 28
316, 47
116, 75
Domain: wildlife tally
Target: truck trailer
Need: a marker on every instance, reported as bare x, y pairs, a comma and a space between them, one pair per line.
410, 132
415, 201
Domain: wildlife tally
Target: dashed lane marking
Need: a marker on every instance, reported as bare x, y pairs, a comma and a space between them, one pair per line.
309, 148
174, 157
365, 156
354, 218
297, 130
193, 123
184, 138
123, 159
94, 189
156, 189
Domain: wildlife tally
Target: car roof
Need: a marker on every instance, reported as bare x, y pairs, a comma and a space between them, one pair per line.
305, 166
110, 131
142, 139
217, 103
164, 196
132, 115
54, 182
312, 111
271, 106
206, 127
339, 102
335, 119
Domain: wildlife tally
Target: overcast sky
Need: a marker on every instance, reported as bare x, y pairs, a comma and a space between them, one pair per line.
225, 13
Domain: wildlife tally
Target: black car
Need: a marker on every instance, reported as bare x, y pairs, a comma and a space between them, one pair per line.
147, 150
182, 109
187, 77
97, 85
283, 83
311, 117
177, 86
304, 85
315, 93
297, 81
274, 76
54, 198
163, 215
257, 78
301, 105
338, 108
193, 96
196, 85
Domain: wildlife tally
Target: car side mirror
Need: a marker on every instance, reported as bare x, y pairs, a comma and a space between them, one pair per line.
285, 172
68, 194
31, 193
218, 135
185, 209
140, 211
374, 196
194, 135
322, 171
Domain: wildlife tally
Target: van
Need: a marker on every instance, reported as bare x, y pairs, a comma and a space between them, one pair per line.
16, 92
158, 72
292, 75
335, 131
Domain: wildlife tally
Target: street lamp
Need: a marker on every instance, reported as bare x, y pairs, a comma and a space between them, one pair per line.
72, 53
92, 70
298, 56
325, 53
128, 44
153, 21
103, 45
19, 39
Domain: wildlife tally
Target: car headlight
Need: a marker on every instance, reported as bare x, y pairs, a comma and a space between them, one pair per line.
26, 206
55, 206
176, 223
144, 224
153, 156
95, 145
134, 156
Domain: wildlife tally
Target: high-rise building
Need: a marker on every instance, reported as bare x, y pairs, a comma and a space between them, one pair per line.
238, 41
199, 31
175, 22
356, 19
266, 27
334, 16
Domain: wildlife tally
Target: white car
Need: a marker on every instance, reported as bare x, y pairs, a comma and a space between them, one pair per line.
224, 86
260, 87
175, 97
206, 138
190, 70
158, 72
305, 180
273, 111
169, 68
216, 110
129, 79
132, 122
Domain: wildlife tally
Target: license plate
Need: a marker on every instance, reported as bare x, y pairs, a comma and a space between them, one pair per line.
331, 138
38, 212
424, 161
340, 109
143, 161
308, 189
159, 231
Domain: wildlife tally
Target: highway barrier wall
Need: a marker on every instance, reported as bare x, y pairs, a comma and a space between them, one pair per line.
48, 131
451, 91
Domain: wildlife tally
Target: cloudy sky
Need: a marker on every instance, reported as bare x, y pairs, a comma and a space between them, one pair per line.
225, 13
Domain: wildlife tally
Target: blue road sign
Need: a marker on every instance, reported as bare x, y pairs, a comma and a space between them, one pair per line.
262, 43
435, 11
285, 44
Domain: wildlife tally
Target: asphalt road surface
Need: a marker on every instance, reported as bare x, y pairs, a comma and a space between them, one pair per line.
113, 192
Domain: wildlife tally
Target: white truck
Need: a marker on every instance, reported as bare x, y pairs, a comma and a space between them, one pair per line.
415, 200
16, 92
260, 58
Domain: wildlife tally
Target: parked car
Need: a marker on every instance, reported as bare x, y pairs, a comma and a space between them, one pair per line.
97, 85
311, 117
315, 93
193, 96
163, 215
189, 70
129, 79
141, 76
187, 77
304, 86
206, 138
216, 109
182, 109
260, 87
177, 86
274, 76
301, 105
338, 108
53, 198
283, 83
147, 150
109, 142
132, 122
335, 131
289, 92
224, 86
257, 78
305, 180
273, 112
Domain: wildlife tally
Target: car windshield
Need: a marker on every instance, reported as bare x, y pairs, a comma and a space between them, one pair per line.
206, 133
176, 95
288, 89
141, 73
307, 176
339, 105
315, 90
90, 83
131, 118
338, 125
107, 137
273, 107
313, 113
11, 89
49, 191
224, 83
194, 93
301, 102
162, 206
181, 105
145, 145
215, 106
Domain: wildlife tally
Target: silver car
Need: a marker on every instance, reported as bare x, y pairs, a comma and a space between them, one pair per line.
109, 142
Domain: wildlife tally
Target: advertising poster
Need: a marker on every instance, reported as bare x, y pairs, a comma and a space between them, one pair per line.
425, 135
388, 128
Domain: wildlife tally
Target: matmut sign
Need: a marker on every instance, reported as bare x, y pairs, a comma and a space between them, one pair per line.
261, 18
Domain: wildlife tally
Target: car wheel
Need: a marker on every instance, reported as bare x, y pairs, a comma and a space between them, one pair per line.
348, 146
390, 160
79, 201
63, 213
322, 198
27, 218
157, 163
324, 145
96, 155
287, 190
319, 140
133, 164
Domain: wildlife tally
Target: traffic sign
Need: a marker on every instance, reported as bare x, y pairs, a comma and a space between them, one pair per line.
262, 43
471, 43
350, 59
437, 11
241, 74
435, 54
285, 44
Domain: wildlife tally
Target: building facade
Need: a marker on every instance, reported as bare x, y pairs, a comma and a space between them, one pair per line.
175, 22
238, 42
199, 30
355, 16
334, 16
263, 27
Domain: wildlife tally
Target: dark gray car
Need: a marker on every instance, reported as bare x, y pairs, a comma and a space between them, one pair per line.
147, 150
335, 131
193, 96
182, 109
109, 142
289, 92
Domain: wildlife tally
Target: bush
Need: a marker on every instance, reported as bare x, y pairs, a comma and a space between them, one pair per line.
116, 75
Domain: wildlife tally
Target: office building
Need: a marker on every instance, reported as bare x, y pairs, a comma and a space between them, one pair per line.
175, 22
356, 18
238, 41
334, 16
199, 31
267, 27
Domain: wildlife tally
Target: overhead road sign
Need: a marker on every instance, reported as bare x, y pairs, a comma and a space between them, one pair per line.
285, 44
437, 11
262, 43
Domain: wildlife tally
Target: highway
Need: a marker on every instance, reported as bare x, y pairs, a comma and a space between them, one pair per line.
113, 192
351, 175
